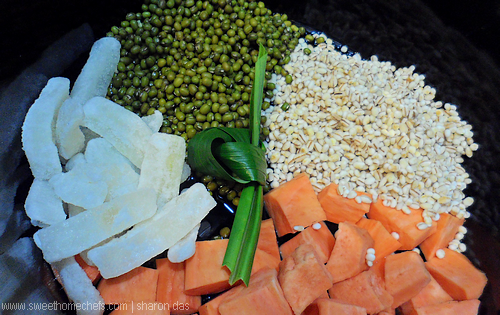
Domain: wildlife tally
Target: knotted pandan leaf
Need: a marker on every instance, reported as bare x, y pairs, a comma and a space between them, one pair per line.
227, 153
236, 154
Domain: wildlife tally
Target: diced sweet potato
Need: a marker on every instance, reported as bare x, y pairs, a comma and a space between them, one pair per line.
365, 290
321, 239
403, 224
378, 268
385, 243
405, 276
338, 208
137, 285
263, 259
447, 228
262, 296
212, 306
267, 239
467, 307
348, 256
333, 307
292, 204
302, 269
171, 288
457, 275
204, 273
431, 294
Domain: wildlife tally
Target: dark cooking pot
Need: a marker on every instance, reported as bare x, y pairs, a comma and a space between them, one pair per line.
452, 43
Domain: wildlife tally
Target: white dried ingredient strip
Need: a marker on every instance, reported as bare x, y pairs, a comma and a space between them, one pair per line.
79, 287
77, 188
153, 236
186, 172
69, 138
106, 164
42, 205
126, 131
100, 151
185, 247
38, 129
120, 179
162, 166
154, 121
98, 71
76, 161
88, 228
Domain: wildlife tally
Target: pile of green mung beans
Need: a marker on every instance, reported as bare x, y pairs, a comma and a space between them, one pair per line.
194, 61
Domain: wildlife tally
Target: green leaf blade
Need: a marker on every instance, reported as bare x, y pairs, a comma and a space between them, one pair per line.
237, 154
241, 249
257, 95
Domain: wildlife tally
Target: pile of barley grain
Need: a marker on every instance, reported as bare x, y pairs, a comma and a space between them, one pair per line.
367, 126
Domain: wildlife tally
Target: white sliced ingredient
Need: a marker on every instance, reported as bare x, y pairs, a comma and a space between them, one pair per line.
77, 188
95, 225
37, 131
84, 254
69, 138
98, 71
162, 166
179, 216
154, 121
185, 247
126, 131
120, 179
42, 205
79, 288
108, 165
186, 172
76, 161
101, 151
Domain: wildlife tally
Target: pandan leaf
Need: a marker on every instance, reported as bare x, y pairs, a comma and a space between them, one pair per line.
236, 154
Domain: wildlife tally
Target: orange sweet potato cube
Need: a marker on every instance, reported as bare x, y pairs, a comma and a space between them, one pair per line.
320, 238
338, 208
204, 273
262, 296
431, 294
170, 289
457, 275
302, 269
385, 243
365, 290
405, 276
333, 307
212, 306
137, 285
348, 256
447, 228
466, 307
403, 224
267, 239
294, 204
